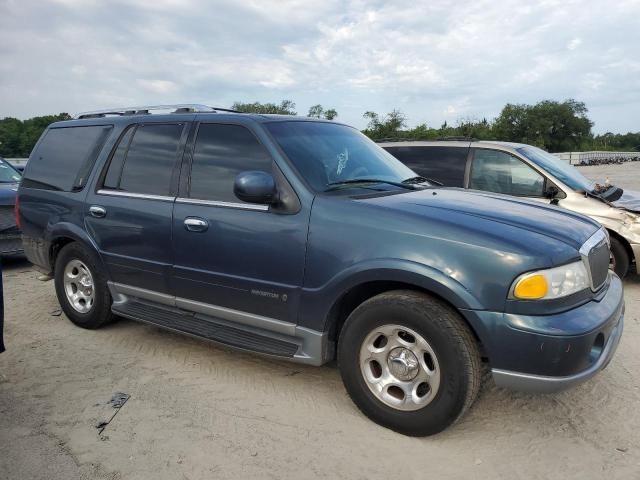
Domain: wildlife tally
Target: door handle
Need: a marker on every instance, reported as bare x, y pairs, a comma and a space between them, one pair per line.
97, 211
196, 224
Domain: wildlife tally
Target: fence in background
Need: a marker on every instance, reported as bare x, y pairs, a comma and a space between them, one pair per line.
598, 157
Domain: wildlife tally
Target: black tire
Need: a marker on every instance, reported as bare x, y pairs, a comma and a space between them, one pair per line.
621, 260
454, 345
100, 312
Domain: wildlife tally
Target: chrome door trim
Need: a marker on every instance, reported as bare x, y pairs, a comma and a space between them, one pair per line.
250, 319
120, 292
117, 193
215, 203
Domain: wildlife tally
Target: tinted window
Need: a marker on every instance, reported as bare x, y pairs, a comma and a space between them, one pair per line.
112, 179
499, 172
150, 160
221, 152
444, 164
65, 156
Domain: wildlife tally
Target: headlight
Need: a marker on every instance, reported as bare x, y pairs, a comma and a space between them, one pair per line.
551, 283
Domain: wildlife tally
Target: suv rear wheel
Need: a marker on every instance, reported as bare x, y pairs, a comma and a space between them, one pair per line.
81, 287
409, 362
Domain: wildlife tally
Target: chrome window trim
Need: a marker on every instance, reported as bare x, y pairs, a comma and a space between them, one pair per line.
215, 203
592, 242
117, 193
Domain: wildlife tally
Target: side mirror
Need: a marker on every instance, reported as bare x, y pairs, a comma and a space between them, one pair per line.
552, 192
255, 187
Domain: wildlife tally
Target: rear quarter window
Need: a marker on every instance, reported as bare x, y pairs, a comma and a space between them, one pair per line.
444, 164
65, 156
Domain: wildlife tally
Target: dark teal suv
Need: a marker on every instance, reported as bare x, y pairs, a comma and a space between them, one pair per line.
303, 240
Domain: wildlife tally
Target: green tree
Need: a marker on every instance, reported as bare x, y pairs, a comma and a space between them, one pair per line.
285, 107
318, 111
554, 126
17, 138
388, 126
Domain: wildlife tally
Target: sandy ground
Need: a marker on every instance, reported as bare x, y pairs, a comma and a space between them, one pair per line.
197, 411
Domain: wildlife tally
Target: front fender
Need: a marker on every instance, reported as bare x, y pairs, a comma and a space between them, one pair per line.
317, 303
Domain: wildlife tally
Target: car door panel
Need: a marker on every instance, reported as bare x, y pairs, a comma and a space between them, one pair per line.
130, 215
229, 254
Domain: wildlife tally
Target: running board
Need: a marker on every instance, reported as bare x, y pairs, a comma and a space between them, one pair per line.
214, 329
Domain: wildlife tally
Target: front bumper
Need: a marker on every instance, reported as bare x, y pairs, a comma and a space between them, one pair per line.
527, 382
548, 353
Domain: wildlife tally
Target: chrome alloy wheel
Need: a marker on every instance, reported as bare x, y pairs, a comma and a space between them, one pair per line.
78, 286
400, 367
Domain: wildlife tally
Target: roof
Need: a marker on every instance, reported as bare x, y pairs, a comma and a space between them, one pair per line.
454, 143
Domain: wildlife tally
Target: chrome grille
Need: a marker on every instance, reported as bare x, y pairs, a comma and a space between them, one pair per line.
596, 255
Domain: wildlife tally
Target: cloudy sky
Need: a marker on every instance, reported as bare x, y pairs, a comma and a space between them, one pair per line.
434, 60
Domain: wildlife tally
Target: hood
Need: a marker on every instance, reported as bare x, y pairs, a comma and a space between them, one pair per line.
629, 201
8, 193
571, 228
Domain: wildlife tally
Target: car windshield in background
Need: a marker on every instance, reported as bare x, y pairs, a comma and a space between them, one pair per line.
560, 169
328, 154
8, 174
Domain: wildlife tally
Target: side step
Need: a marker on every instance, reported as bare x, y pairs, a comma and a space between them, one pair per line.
209, 328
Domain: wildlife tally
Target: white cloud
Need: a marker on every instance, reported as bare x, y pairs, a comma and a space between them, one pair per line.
574, 43
157, 86
431, 61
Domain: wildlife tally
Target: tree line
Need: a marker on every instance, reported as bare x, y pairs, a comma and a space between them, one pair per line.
552, 125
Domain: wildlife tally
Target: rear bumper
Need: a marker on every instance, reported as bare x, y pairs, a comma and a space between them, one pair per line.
527, 382
11, 244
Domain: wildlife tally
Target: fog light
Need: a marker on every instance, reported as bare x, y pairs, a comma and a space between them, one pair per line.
596, 348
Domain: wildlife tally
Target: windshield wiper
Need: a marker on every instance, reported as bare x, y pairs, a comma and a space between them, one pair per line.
419, 179
335, 185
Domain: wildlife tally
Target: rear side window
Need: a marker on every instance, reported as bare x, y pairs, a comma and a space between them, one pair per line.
65, 156
145, 159
444, 164
221, 152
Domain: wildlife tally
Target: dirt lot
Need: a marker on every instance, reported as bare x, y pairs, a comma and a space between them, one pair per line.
197, 411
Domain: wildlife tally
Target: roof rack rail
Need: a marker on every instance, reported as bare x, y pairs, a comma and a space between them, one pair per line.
459, 138
147, 110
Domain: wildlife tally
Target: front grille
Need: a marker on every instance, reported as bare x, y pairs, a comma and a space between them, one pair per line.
599, 258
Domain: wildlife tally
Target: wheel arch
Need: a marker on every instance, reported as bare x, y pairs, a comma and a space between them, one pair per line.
356, 292
63, 234
625, 243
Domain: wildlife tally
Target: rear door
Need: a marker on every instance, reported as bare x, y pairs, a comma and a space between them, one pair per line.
445, 164
129, 214
239, 261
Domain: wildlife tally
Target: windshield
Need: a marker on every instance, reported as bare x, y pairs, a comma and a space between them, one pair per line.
560, 169
8, 174
327, 154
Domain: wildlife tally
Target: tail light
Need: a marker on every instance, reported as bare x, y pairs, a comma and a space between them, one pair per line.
17, 213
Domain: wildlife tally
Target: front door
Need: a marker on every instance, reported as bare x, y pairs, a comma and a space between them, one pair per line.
129, 216
500, 172
239, 261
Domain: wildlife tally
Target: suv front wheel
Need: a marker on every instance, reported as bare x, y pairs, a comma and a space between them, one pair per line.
81, 287
409, 362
